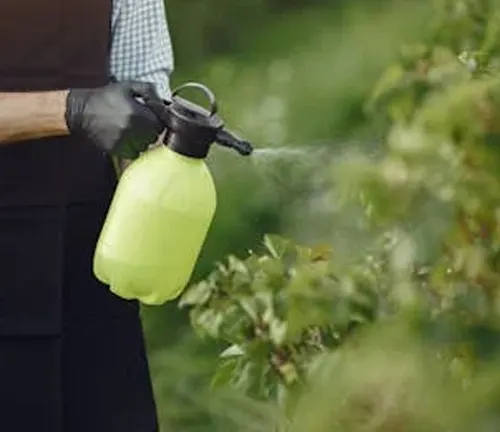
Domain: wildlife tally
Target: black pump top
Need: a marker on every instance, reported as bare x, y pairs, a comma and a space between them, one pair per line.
191, 129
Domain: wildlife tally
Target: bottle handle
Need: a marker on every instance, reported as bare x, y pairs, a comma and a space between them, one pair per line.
208, 93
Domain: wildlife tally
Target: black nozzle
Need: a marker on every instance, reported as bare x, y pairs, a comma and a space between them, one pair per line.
227, 139
192, 129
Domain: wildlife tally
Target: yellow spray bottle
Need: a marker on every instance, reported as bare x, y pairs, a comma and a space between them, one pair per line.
163, 206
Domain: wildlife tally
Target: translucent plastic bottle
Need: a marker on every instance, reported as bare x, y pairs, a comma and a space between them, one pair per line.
163, 207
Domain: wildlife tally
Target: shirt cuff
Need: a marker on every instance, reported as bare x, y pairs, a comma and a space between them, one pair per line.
161, 80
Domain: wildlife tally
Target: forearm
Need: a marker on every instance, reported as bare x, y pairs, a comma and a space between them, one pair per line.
32, 115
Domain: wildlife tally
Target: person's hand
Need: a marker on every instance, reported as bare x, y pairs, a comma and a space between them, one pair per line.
113, 119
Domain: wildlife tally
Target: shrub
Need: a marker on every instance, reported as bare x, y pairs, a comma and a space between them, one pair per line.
377, 344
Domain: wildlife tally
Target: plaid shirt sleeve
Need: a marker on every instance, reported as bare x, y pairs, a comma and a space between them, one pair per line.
141, 48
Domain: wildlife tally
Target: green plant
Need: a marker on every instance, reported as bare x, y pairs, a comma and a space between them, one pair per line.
286, 309
274, 325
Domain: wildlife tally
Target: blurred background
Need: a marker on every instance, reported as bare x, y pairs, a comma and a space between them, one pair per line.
287, 74
292, 77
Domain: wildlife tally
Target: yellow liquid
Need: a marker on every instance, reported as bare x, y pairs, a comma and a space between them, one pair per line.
155, 228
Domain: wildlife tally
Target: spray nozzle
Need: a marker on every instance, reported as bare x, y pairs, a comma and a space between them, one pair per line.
227, 139
191, 129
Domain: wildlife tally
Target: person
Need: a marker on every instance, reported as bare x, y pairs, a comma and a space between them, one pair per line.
75, 79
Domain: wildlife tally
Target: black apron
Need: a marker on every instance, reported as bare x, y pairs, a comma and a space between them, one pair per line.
72, 355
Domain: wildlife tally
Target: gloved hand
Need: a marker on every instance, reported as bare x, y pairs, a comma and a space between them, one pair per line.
112, 118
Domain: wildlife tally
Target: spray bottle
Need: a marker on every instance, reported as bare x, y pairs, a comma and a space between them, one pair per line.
164, 205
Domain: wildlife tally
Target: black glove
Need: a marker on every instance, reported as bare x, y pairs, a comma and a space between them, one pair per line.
111, 117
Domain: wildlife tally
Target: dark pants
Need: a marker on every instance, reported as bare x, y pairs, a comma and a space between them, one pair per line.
72, 356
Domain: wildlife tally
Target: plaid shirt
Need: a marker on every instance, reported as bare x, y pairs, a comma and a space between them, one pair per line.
141, 48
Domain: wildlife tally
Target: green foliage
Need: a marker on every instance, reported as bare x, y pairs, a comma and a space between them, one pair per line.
278, 310
378, 344
390, 379
442, 145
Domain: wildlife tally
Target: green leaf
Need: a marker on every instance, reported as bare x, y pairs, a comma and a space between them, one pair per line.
289, 373
276, 245
250, 307
232, 351
237, 266
321, 252
208, 322
198, 294
235, 325
225, 373
278, 331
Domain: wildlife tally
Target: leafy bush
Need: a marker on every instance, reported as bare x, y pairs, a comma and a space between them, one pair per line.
414, 322
277, 310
